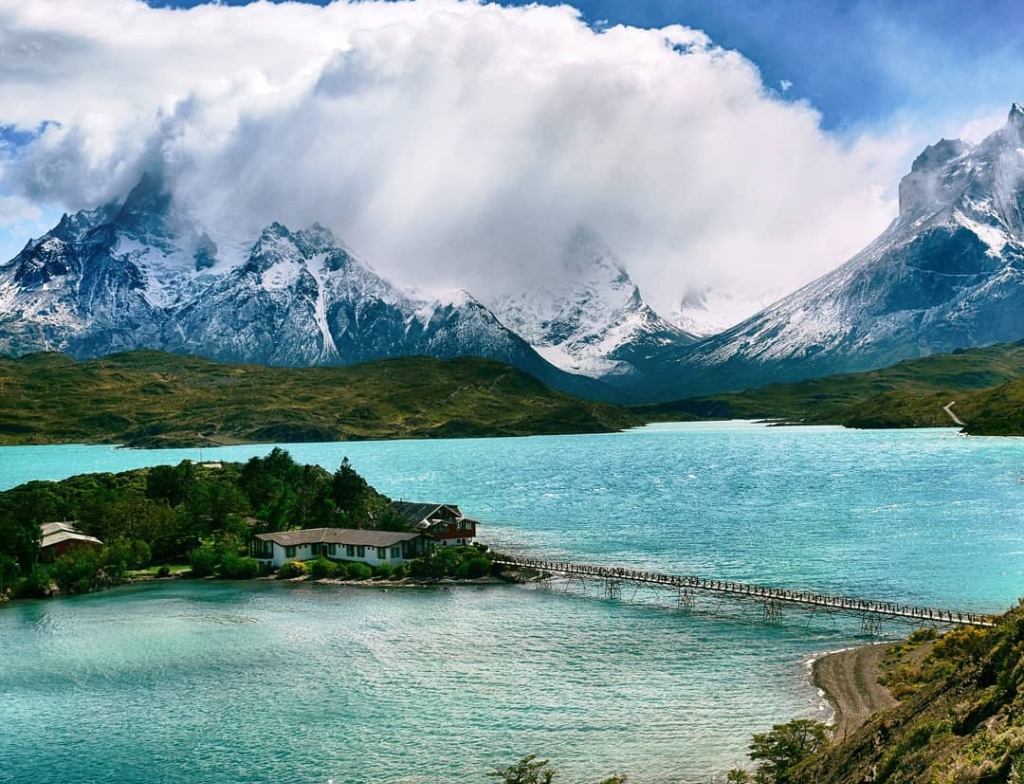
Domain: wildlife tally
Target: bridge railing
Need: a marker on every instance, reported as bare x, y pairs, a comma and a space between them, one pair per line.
807, 599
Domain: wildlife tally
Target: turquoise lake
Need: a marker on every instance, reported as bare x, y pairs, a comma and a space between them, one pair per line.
262, 682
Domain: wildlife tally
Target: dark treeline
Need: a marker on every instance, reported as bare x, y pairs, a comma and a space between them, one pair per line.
176, 514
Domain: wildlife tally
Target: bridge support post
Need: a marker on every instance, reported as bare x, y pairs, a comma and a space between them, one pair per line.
686, 600
772, 610
612, 589
871, 624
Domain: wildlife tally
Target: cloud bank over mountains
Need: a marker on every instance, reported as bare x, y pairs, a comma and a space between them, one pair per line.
449, 143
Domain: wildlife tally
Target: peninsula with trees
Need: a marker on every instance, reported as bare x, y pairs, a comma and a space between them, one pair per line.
224, 519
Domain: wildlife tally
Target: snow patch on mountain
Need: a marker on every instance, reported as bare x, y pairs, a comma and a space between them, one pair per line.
947, 273
708, 311
589, 317
992, 236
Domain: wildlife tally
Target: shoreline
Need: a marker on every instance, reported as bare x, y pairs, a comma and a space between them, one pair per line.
848, 680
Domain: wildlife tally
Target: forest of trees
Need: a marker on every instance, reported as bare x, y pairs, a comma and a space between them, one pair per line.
203, 514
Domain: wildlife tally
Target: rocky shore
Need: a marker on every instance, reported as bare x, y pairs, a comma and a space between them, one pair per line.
849, 680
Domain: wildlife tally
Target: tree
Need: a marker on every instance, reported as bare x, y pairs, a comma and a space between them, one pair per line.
10, 573
529, 770
203, 560
785, 747
349, 491
19, 541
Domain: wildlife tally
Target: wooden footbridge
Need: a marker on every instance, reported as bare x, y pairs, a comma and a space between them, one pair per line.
871, 613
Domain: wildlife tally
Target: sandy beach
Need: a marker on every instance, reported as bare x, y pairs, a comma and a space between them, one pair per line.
849, 680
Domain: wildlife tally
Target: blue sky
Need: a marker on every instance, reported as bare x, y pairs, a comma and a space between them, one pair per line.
461, 145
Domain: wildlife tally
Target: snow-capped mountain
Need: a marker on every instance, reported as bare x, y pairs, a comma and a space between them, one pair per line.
947, 273
142, 275
590, 318
706, 311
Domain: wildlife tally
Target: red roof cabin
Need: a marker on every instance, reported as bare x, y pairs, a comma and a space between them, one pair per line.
58, 538
445, 523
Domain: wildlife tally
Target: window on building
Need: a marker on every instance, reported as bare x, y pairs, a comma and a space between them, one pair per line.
396, 552
289, 552
360, 551
350, 551
332, 549
382, 553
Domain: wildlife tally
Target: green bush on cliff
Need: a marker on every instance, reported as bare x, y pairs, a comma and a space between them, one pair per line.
291, 569
322, 568
356, 570
447, 562
203, 560
236, 567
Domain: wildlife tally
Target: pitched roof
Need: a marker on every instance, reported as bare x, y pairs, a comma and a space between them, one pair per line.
415, 513
352, 536
55, 533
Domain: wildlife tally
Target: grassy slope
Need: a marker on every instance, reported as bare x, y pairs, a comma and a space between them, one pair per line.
961, 723
152, 399
986, 384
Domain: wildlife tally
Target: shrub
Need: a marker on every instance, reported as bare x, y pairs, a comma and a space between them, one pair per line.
321, 568
76, 571
474, 568
291, 569
400, 572
384, 571
234, 567
164, 571
10, 573
113, 562
923, 635
529, 770
785, 747
203, 561
358, 571
139, 556
459, 562
36, 585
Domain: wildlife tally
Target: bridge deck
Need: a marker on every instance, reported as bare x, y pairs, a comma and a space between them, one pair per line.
804, 599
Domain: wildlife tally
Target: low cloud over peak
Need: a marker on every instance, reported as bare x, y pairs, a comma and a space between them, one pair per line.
449, 143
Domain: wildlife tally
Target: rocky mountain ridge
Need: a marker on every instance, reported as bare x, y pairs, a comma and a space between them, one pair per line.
948, 273
144, 274
591, 318
141, 275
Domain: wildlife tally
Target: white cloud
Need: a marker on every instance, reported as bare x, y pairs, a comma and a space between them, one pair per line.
446, 142
15, 209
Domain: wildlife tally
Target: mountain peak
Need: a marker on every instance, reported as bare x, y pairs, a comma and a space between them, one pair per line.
1016, 114
586, 252
148, 196
925, 188
316, 239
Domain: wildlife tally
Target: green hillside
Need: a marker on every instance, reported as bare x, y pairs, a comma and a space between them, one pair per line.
987, 385
152, 399
961, 720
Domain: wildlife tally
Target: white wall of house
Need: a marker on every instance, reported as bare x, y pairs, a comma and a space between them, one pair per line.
373, 556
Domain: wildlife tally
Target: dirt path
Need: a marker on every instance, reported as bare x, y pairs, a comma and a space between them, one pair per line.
949, 410
850, 682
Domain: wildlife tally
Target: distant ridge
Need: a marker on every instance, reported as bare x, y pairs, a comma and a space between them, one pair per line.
987, 385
